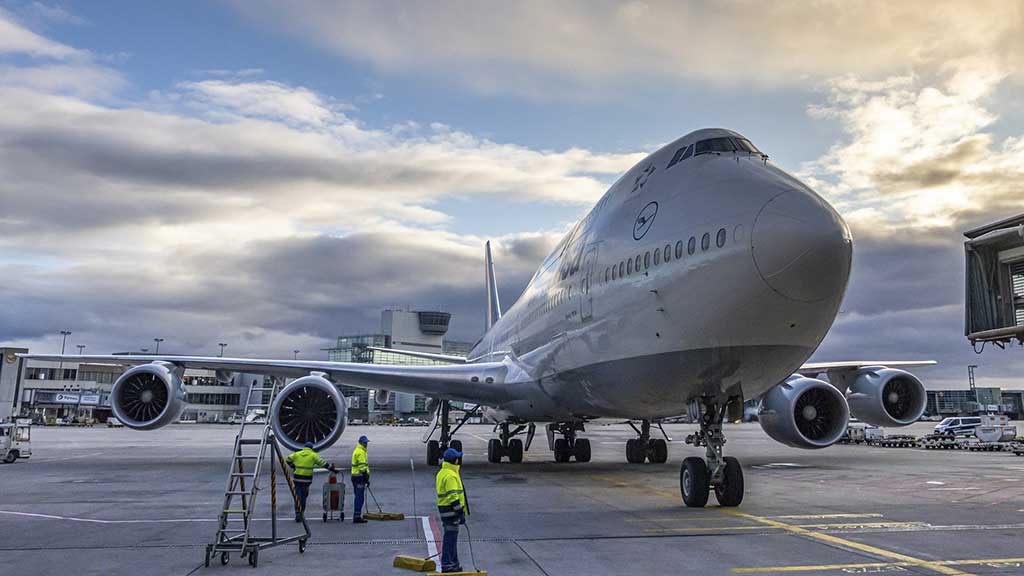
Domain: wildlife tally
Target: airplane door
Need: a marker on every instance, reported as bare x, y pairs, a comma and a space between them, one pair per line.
586, 297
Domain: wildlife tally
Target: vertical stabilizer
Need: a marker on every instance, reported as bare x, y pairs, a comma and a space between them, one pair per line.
493, 306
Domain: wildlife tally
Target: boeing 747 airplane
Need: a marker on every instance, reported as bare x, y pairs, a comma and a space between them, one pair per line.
703, 277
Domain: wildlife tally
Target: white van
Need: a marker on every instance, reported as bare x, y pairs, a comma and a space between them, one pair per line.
959, 426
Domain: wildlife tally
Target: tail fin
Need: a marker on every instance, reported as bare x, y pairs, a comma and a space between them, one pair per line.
493, 306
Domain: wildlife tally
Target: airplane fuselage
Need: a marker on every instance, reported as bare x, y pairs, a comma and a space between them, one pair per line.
704, 270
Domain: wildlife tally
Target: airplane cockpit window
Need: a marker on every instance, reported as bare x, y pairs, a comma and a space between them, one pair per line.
714, 145
744, 145
725, 145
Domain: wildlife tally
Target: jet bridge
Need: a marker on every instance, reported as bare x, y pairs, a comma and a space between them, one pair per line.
994, 303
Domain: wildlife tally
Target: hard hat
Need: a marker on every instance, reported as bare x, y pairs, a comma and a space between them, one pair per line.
309, 445
451, 455
364, 440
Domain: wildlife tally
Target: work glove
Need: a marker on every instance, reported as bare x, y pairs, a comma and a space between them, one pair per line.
366, 478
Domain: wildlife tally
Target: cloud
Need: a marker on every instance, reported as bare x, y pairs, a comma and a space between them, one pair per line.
918, 164
577, 48
252, 212
16, 39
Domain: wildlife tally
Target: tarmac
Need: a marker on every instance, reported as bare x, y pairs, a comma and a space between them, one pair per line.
116, 501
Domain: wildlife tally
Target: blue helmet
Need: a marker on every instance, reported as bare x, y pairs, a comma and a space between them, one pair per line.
364, 440
309, 445
451, 455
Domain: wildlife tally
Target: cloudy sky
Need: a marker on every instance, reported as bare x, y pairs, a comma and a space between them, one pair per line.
271, 174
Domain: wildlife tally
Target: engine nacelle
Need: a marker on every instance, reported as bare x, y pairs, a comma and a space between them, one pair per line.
804, 413
381, 396
148, 396
310, 409
885, 396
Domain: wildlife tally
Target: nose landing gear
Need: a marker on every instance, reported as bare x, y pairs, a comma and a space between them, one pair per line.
436, 448
722, 473
654, 450
569, 446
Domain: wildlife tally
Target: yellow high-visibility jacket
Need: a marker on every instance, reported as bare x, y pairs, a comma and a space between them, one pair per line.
305, 460
451, 495
360, 463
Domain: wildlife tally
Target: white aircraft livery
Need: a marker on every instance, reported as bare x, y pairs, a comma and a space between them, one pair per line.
703, 277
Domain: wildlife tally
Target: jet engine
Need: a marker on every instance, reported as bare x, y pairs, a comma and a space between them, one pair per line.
310, 409
148, 396
804, 413
885, 396
381, 396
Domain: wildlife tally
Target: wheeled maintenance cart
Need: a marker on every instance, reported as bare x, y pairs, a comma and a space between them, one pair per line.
334, 499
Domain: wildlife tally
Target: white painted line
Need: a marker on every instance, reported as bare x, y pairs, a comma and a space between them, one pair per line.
68, 458
936, 482
429, 536
96, 521
953, 489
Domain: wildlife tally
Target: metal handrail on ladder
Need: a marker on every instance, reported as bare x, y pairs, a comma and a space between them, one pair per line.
232, 536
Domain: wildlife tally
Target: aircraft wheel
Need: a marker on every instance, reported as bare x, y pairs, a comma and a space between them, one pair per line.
694, 482
494, 450
659, 451
730, 491
583, 450
562, 450
457, 444
433, 452
515, 450
224, 558
635, 452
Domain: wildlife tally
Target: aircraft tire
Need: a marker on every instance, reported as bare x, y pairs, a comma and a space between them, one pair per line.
583, 450
562, 450
433, 452
515, 451
494, 450
694, 484
730, 491
659, 451
457, 444
635, 452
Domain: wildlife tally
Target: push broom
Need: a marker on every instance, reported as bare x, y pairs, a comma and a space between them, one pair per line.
380, 514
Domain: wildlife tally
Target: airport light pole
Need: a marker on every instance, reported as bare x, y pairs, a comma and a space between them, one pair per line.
80, 348
60, 365
222, 346
143, 350
158, 341
295, 354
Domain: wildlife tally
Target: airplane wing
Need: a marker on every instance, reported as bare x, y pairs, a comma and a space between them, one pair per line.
818, 367
478, 382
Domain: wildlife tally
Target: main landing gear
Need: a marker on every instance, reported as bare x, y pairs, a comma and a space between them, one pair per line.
507, 446
568, 446
643, 448
436, 448
723, 473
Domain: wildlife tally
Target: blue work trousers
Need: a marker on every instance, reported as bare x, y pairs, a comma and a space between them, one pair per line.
302, 491
450, 546
358, 493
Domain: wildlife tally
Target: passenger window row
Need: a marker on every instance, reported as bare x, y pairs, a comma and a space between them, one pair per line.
657, 256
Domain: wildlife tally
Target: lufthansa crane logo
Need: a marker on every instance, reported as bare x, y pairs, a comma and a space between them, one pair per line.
644, 220
11, 358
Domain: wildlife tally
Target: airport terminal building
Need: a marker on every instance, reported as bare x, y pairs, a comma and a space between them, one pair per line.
48, 391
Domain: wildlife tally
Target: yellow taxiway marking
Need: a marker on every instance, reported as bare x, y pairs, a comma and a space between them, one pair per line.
991, 562
824, 516
857, 526
934, 566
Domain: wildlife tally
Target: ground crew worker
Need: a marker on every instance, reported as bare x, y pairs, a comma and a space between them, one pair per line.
302, 464
451, 504
360, 479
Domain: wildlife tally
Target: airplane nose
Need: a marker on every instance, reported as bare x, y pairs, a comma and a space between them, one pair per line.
801, 247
